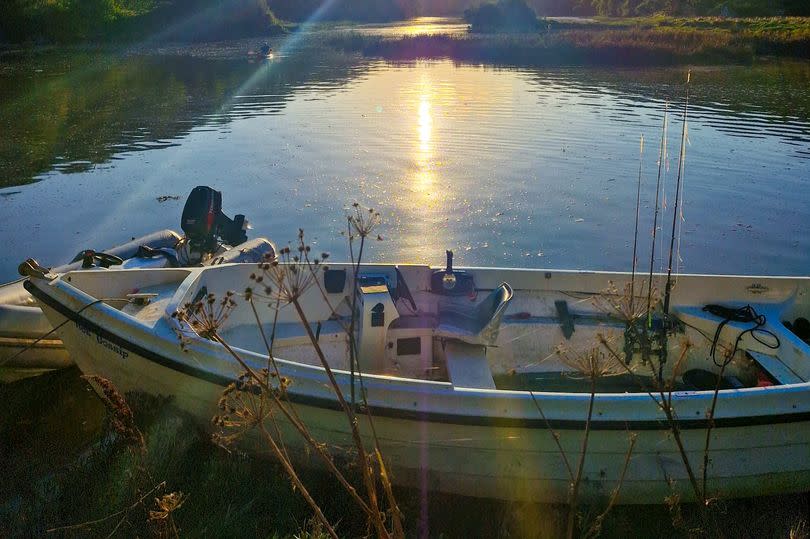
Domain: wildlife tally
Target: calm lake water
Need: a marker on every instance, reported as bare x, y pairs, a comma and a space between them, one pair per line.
508, 166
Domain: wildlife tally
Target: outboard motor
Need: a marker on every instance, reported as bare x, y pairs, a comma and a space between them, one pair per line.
204, 223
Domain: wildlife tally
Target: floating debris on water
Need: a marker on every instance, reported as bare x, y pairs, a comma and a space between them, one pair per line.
164, 198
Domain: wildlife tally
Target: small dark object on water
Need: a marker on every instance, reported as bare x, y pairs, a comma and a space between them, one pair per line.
164, 198
266, 49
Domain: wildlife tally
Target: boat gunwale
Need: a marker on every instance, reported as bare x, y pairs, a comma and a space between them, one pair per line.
194, 274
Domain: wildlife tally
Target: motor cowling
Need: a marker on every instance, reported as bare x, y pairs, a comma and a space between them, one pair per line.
204, 223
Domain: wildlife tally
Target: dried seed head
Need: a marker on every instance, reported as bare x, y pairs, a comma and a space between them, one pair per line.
591, 363
362, 222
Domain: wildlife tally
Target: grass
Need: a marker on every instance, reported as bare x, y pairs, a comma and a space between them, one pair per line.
635, 41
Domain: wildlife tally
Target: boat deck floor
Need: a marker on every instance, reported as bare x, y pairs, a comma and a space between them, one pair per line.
249, 336
152, 311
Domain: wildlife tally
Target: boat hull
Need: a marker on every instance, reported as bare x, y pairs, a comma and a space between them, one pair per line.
26, 346
494, 453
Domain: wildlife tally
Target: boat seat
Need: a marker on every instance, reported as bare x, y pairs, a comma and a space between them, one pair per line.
707, 323
467, 365
481, 324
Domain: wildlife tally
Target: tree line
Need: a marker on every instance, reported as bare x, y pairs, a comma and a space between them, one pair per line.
297, 10
102, 20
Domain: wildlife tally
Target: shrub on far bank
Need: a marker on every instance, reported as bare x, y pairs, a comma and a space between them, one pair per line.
204, 20
67, 20
349, 10
503, 16
71, 21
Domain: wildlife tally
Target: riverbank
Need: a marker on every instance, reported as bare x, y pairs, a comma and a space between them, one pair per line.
613, 42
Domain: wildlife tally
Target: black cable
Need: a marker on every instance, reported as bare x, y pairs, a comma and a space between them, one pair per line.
745, 314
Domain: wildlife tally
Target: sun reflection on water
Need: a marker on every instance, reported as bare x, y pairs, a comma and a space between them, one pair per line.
424, 193
425, 123
423, 177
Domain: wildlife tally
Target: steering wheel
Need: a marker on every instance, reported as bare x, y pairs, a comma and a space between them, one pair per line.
105, 260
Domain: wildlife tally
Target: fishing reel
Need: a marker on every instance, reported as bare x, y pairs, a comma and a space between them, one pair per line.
204, 224
647, 337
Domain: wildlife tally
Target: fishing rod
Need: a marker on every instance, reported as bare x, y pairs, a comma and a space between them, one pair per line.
635, 238
629, 340
661, 157
678, 195
662, 352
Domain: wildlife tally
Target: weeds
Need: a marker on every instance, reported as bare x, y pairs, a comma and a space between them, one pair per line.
799, 531
160, 520
120, 414
643, 332
252, 403
592, 364
259, 398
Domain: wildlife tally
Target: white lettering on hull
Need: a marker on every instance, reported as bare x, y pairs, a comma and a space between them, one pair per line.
114, 348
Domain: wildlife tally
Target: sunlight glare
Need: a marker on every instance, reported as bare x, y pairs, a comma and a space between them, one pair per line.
425, 124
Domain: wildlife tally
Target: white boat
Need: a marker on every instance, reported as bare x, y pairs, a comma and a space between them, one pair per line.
462, 378
28, 345
24, 341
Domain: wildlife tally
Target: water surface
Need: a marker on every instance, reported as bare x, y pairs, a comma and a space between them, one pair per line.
508, 166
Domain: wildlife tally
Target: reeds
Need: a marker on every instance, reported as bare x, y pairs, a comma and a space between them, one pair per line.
605, 359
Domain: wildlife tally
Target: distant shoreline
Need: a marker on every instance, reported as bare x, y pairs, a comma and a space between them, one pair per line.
657, 41
636, 42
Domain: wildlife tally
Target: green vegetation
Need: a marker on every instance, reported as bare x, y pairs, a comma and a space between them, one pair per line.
68, 21
739, 8
503, 16
355, 10
384, 10
521, 15
650, 41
